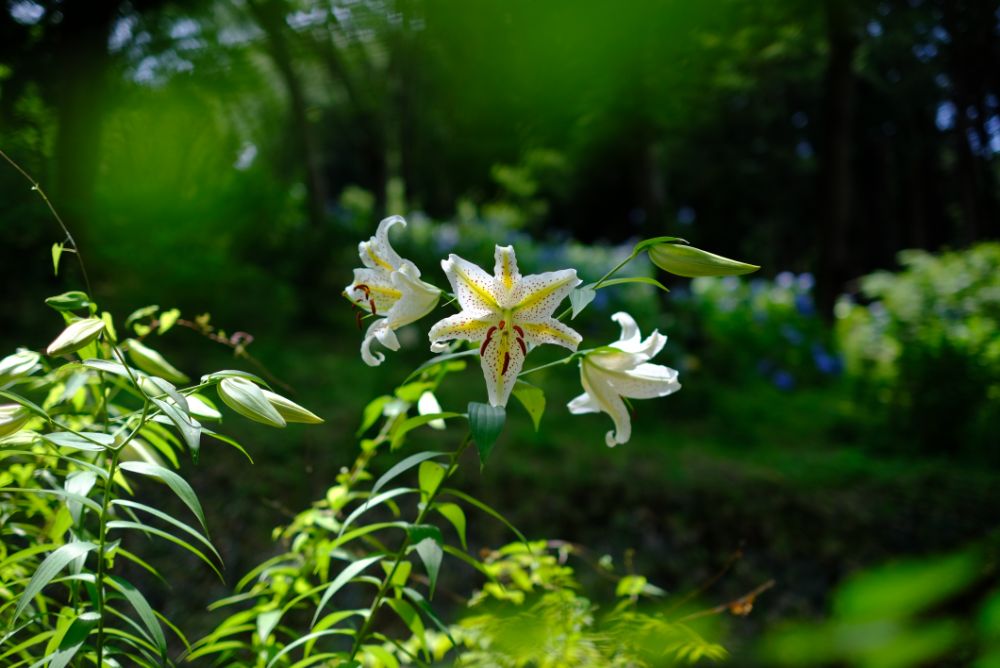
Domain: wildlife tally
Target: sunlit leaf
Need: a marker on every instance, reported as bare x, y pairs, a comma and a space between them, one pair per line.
48, 569
485, 422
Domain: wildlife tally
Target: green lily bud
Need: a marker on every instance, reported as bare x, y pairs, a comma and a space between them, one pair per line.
153, 363
20, 363
290, 410
692, 262
76, 336
249, 401
12, 418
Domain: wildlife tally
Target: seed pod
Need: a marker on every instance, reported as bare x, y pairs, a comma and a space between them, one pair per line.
692, 262
290, 410
76, 336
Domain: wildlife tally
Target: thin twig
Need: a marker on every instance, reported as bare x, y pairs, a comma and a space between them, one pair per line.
738, 606
69, 236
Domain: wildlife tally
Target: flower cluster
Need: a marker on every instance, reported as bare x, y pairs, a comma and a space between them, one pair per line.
505, 315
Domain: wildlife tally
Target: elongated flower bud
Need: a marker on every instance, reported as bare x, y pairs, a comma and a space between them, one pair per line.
290, 410
692, 262
12, 418
154, 363
249, 401
77, 335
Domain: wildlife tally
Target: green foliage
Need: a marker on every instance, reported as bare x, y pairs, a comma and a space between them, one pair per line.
84, 432
904, 614
924, 351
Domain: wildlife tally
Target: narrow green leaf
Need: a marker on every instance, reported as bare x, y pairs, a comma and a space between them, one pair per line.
90, 441
425, 607
532, 398
440, 359
350, 571
73, 639
371, 503
580, 298
303, 640
33, 407
79, 483
403, 467
227, 440
486, 422
656, 241
371, 413
692, 262
233, 373
188, 427
419, 532
486, 509
48, 569
176, 483
381, 655
141, 313
266, 621
155, 512
429, 550
144, 610
411, 618
632, 279
57, 251
431, 475
167, 320
417, 421
454, 514
180, 542
248, 400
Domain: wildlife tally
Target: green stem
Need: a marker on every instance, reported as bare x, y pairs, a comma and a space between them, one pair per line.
401, 552
101, 557
600, 281
103, 531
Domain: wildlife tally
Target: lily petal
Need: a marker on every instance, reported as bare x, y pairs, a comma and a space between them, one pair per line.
474, 289
502, 360
551, 330
536, 296
646, 381
377, 252
583, 404
418, 298
378, 330
505, 270
465, 325
631, 342
609, 402
373, 285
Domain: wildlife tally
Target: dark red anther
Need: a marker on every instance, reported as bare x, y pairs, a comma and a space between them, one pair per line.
486, 341
506, 363
357, 318
364, 288
520, 332
524, 348
502, 324
371, 302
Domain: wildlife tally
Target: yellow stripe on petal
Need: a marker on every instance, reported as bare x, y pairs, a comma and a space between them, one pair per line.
377, 260
551, 332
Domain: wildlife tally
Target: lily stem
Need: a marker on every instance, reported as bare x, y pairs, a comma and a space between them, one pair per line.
401, 552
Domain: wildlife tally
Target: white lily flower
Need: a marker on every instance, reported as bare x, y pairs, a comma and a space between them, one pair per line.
622, 370
388, 286
507, 312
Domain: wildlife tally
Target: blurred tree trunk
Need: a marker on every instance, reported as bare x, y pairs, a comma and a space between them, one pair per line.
271, 15
366, 110
835, 171
79, 94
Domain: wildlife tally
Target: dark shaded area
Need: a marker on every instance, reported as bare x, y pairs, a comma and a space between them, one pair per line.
226, 157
